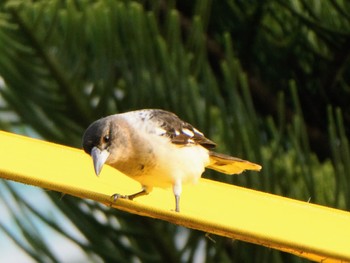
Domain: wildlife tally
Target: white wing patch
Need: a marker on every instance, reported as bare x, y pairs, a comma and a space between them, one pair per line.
160, 131
188, 132
197, 131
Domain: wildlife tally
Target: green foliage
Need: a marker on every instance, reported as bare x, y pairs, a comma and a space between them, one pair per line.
67, 63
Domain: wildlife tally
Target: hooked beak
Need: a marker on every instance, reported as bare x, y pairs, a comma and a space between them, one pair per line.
99, 158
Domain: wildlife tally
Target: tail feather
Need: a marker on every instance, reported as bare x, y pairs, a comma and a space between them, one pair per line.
230, 165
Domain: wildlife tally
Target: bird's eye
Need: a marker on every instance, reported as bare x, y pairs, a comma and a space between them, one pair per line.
106, 138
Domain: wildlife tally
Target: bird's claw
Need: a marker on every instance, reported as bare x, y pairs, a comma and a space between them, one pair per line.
115, 197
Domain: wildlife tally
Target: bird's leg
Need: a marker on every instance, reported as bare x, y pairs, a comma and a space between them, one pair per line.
141, 193
177, 203
177, 189
144, 191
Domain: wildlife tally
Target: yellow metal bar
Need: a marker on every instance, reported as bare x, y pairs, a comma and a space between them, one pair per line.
311, 231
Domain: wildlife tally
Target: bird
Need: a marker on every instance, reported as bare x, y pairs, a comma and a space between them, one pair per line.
157, 149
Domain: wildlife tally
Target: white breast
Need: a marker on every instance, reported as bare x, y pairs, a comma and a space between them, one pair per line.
174, 163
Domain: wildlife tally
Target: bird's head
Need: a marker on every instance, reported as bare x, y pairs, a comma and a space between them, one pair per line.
97, 141
107, 140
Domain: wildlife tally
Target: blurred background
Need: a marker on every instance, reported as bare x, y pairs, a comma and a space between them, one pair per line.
269, 81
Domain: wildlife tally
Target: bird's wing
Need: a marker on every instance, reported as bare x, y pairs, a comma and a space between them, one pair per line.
182, 133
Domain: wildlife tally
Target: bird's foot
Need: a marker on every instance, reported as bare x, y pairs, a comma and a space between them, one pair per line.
115, 197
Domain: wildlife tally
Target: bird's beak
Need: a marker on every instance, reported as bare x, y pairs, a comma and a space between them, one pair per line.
99, 157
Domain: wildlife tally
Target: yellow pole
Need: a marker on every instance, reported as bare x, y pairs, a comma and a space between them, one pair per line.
311, 231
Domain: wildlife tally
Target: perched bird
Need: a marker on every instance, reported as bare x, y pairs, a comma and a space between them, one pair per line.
157, 149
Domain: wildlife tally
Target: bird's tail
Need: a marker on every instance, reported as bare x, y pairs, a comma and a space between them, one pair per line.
230, 165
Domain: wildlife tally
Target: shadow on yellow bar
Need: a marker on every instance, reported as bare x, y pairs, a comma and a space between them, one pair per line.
311, 231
